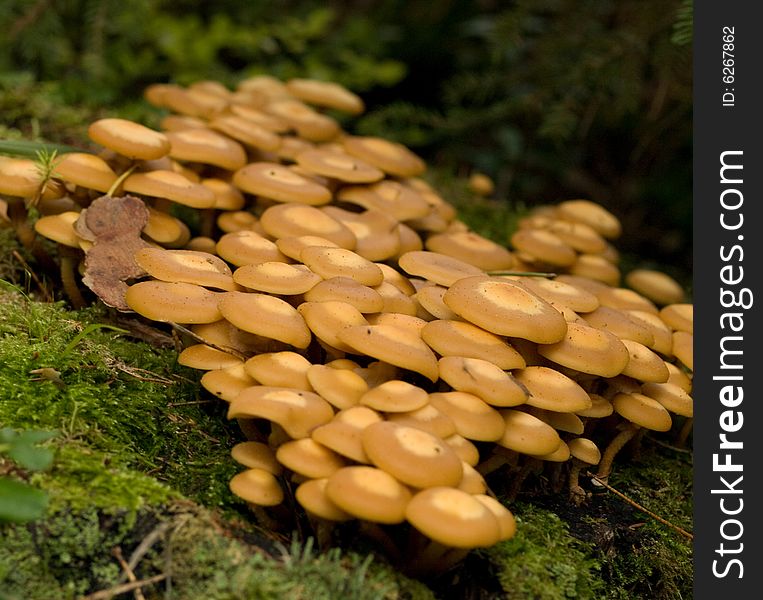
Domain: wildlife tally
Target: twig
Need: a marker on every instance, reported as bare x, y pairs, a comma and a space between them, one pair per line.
635, 504
147, 542
117, 552
125, 587
196, 337
25, 265
669, 446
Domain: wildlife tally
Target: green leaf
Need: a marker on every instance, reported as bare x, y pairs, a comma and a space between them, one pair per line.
30, 149
20, 447
20, 502
29, 457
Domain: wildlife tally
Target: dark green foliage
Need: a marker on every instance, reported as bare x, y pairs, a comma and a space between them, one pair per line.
559, 99
106, 51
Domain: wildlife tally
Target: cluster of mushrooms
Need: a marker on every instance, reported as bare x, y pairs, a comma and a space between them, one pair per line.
381, 358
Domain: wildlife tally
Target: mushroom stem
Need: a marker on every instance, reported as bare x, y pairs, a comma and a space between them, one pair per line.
69, 258
374, 532
555, 476
622, 438
531, 465
577, 493
683, 433
26, 235
428, 557
493, 463
207, 222
635, 448
263, 518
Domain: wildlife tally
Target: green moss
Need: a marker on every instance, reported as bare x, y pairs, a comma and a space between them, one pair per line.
543, 561
660, 565
70, 554
123, 400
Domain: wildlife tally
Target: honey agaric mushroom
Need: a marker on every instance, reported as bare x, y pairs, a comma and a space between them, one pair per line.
400, 347
472, 248
595, 266
297, 411
430, 299
388, 196
643, 364
279, 183
86, 170
592, 214
265, 315
655, 285
679, 317
256, 455
206, 358
327, 94
662, 334
639, 411
248, 248
186, 266
474, 418
579, 236
390, 157
683, 348
207, 147
129, 139
466, 450
369, 493
505, 308
625, 299
340, 262
276, 277
328, 319
280, 369
395, 301
60, 229
439, 268
346, 289
395, 396
671, 396
172, 186
246, 132
342, 388
552, 390
588, 350
482, 378
560, 293
584, 453
227, 383
451, 518
173, 302
427, 418
343, 433
455, 338
312, 497
481, 184
309, 123
619, 323
544, 247
412, 456
308, 458
377, 233
296, 219
338, 165
258, 487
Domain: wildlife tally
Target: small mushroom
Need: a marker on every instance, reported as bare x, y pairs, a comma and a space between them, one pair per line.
584, 453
